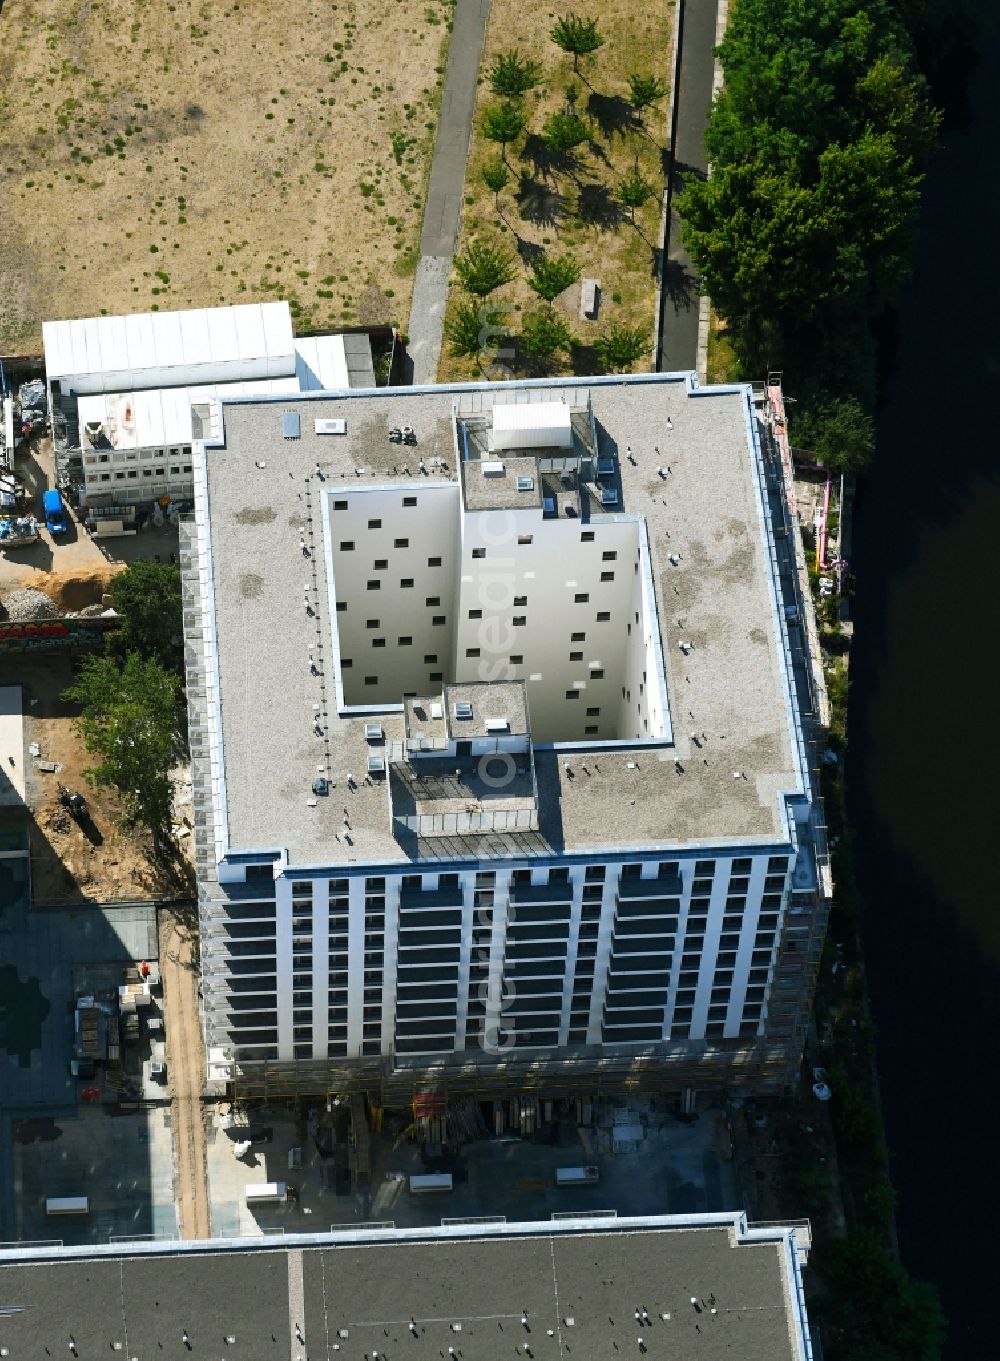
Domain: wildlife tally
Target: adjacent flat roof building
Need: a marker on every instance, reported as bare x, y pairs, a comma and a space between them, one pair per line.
710, 1286
502, 725
129, 394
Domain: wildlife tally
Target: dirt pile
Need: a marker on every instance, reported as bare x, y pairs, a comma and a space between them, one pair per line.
74, 592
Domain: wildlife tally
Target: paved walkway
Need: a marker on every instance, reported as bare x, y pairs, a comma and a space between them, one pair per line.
443, 209
679, 314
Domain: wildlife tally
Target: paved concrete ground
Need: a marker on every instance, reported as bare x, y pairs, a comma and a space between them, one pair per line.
677, 1169
77, 552
443, 209
679, 320
12, 751
43, 956
122, 1163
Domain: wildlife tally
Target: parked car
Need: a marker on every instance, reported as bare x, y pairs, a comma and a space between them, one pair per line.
55, 512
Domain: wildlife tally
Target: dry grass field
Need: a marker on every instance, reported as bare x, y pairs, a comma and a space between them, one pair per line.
178, 153
574, 209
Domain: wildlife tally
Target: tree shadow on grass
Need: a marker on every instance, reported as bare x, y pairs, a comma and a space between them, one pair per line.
597, 207
546, 163
537, 202
612, 114
584, 359
538, 154
529, 251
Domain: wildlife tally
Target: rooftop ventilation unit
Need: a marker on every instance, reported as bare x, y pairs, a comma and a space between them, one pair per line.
463, 709
525, 483
331, 427
531, 425
497, 725
374, 732
436, 709
492, 467
376, 765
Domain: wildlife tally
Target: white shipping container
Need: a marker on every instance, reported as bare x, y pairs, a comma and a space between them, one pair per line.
577, 1176
67, 1205
262, 1192
427, 1182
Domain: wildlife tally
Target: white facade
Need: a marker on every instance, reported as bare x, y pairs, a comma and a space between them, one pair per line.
637, 952
428, 592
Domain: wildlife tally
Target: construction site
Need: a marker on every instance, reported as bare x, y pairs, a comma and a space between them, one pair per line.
341, 1161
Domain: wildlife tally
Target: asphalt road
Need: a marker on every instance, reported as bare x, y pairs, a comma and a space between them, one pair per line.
679, 310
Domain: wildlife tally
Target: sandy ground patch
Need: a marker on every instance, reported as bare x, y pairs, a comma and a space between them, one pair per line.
187, 154
185, 1069
574, 210
95, 859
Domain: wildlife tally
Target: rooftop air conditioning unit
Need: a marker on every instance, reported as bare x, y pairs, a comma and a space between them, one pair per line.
331, 427
436, 709
497, 725
463, 709
525, 483
493, 468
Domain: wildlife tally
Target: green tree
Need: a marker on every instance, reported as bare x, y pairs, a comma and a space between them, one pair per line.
645, 91
804, 232
552, 274
470, 326
512, 75
576, 36
496, 177
128, 721
564, 132
503, 123
147, 595
883, 1307
544, 336
634, 191
835, 430
621, 347
482, 268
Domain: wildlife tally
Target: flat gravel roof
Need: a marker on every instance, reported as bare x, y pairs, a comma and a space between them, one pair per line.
686, 466
578, 1290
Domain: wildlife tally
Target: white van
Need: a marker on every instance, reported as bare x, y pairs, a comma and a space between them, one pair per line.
67, 1205
266, 1192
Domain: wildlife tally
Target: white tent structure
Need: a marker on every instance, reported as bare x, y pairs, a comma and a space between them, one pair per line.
170, 349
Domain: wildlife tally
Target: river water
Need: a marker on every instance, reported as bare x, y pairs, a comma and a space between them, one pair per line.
924, 763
